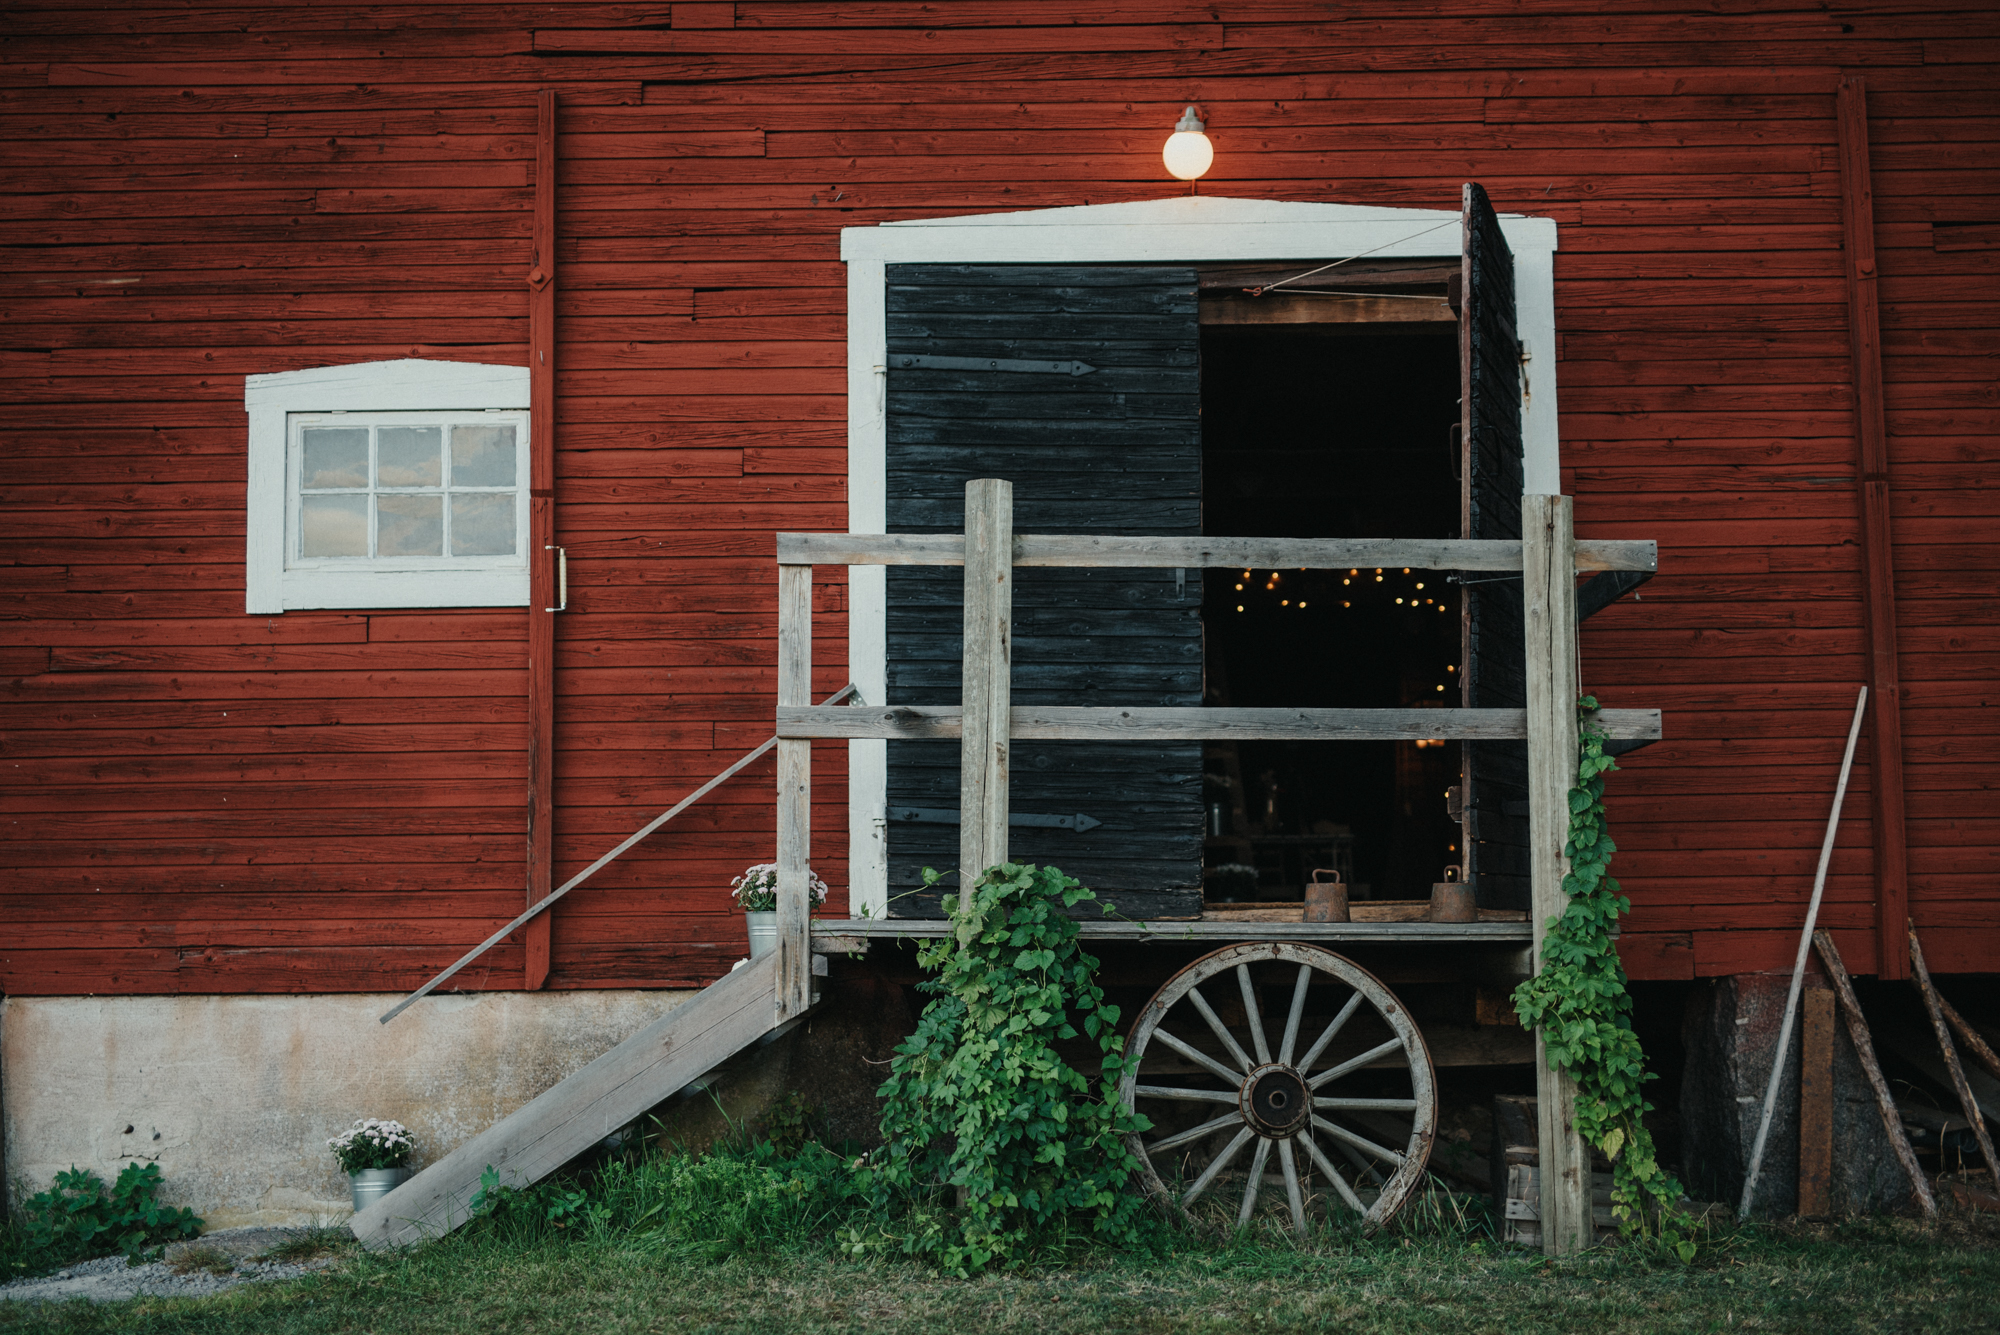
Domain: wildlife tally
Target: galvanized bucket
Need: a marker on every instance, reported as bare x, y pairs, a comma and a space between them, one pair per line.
372, 1184
763, 932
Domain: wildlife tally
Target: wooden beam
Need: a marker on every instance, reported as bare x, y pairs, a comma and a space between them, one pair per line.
1296, 306
1934, 1004
541, 539
1816, 1103
1602, 590
987, 676
1078, 551
566, 1119
1885, 770
1549, 594
794, 982
1077, 723
1864, 1050
1511, 936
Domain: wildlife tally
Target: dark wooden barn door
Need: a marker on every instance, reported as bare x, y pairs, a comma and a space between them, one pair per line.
1496, 773
1081, 386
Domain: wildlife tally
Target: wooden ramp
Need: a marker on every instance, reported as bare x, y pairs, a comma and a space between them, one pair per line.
567, 1119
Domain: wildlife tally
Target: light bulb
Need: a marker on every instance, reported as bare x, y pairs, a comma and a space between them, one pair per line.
1188, 153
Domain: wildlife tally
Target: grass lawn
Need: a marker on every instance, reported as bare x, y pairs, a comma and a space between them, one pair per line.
1879, 1275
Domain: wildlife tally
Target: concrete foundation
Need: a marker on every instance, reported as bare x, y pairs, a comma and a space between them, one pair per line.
1731, 1035
234, 1096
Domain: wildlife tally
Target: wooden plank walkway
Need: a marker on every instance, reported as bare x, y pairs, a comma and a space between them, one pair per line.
563, 1121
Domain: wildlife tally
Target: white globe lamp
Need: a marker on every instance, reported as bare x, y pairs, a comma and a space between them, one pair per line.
1188, 153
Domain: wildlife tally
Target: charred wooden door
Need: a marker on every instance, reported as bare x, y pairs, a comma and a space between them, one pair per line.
1494, 661
985, 381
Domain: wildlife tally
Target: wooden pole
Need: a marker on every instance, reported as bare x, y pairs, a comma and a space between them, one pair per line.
1885, 768
988, 689
1934, 1004
1975, 1043
1548, 541
1816, 1026
1864, 1049
541, 541
1799, 964
794, 993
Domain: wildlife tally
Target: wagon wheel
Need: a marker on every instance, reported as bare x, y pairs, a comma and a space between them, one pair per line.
1350, 1077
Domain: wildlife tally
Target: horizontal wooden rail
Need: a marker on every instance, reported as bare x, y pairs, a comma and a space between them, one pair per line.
1046, 549
1061, 723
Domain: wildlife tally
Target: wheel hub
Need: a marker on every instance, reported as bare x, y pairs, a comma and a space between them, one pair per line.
1275, 1102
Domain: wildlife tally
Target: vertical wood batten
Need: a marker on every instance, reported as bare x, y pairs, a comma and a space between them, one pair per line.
988, 684
1549, 587
541, 280
1864, 328
794, 794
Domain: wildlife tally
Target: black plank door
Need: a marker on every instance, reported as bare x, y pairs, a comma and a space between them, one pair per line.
984, 382
1494, 662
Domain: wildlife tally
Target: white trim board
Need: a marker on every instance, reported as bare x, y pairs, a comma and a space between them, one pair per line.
1187, 229
405, 384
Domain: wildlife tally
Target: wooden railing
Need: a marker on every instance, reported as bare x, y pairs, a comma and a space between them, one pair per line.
1548, 557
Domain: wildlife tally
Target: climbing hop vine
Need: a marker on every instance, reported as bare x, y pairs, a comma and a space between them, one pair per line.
994, 1143
1579, 1003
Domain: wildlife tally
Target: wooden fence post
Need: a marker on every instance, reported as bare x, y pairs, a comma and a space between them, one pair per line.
794, 794
1548, 578
988, 687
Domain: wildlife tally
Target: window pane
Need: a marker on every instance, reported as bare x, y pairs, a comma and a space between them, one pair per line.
409, 526
409, 456
334, 457
482, 456
334, 525
482, 524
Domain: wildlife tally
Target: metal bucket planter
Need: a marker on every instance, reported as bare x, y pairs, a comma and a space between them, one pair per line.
763, 932
371, 1184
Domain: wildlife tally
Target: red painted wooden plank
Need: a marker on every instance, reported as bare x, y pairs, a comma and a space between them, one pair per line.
940, 41
542, 590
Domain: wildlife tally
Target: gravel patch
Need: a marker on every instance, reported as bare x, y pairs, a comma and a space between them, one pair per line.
232, 1252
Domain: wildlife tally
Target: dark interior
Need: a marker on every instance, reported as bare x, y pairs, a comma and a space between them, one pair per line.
1329, 431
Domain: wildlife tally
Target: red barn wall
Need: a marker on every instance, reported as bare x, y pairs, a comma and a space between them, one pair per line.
200, 801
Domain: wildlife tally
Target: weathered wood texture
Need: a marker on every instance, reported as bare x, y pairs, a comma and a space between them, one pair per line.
1116, 452
1548, 587
199, 801
543, 592
569, 1117
986, 677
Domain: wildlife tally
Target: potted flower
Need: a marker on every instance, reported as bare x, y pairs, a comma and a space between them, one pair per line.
756, 893
375, 1155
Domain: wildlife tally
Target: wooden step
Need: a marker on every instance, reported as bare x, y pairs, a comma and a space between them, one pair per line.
568, 1118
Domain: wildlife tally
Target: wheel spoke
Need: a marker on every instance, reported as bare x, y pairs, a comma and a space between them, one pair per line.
1188, 1137
1198, 1057
1367, 1105
1255, 1184
1221, 1032
1359, 1142
1362, 1163
1251, 1015
1355, 1063
1298, 1013
1293, 1196
1332, 1030
1220, 1162
1339, 1182
1183, 1095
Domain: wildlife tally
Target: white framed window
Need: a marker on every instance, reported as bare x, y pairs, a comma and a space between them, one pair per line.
388, 484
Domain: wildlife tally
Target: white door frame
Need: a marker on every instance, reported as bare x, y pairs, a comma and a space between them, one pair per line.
1188, 229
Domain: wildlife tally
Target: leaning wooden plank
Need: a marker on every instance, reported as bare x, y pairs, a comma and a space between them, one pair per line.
1033, 549
794, 793
1935, 1005
566, 1119
1864, 1048
985, 721
1054, 722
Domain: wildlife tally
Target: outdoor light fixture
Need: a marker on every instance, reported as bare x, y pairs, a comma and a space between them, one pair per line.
1188, 153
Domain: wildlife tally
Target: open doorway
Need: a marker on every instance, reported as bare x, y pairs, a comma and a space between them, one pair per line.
1330, 415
